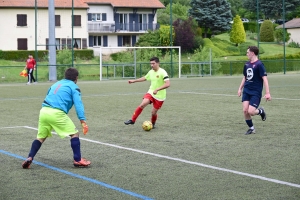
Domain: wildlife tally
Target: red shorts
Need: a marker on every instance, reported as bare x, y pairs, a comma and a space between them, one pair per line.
156, 103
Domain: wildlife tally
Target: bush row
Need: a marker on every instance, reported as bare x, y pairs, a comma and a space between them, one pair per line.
20, 55
226, 48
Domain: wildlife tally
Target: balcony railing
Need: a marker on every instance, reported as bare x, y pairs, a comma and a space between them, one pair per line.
98, 27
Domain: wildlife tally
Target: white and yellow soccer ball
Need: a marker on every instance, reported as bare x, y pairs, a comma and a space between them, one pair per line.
147, 125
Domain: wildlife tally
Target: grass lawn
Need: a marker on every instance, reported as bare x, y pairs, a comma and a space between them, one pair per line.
270, 49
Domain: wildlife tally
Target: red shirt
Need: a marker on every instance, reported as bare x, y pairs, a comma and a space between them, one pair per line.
30, 63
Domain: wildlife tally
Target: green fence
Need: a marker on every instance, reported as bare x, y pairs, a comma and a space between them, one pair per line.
131, 70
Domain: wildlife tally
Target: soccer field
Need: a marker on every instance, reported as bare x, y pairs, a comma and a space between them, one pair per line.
197, 151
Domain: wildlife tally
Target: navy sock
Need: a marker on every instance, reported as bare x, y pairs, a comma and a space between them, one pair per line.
36, 145
249, 122
75, 144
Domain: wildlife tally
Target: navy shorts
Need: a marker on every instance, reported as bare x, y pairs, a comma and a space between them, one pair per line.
254, 100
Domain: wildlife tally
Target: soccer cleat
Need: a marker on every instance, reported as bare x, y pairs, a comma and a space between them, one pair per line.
129, 122
82, 163
263, 114
153, 125
26, 164
250, 131
28, 83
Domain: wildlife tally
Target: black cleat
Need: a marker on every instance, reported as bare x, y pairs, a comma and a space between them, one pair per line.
129, 122
250, 131
153, 126
263, 114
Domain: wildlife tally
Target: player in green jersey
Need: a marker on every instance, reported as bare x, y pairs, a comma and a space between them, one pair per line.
157, 92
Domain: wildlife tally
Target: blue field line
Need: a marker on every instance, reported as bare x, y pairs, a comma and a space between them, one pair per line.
80, 177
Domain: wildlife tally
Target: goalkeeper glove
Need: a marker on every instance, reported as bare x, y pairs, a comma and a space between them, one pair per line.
85, 127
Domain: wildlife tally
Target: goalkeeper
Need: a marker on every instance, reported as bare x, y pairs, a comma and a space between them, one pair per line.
53, 115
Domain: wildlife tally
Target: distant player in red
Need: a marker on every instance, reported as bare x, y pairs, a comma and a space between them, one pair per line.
30, 66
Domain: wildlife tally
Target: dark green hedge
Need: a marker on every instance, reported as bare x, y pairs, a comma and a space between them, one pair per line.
21, 55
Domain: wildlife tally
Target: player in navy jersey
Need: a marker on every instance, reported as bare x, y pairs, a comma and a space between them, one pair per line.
255, 78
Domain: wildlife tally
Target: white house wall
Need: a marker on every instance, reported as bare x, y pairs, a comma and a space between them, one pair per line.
103, 9
9, 37
13, 32
295, 35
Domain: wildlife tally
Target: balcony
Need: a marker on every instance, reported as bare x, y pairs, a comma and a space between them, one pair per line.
101, 27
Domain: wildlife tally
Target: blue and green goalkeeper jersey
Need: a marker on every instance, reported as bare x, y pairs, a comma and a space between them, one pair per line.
63, 95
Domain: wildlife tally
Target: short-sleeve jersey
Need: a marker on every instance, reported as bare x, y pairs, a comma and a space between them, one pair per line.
253, 73
30, 63
157, 79
63, 95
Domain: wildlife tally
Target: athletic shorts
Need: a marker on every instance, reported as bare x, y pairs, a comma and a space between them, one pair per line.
57, 120
254, 100
156, 103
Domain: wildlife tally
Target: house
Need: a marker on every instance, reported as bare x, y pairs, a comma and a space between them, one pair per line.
107, 23
293, 27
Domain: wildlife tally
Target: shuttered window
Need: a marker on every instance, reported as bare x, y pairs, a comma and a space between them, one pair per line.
21, 20
22, 44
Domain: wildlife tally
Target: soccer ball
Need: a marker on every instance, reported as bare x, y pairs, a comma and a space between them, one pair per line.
147, 125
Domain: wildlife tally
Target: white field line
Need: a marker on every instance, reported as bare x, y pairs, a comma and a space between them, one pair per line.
231, 95
180, 160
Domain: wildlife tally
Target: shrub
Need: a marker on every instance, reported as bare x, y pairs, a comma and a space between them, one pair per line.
208, 44
64, 58
251, 26
267, 31
294, 44
198, 42
279, 35
237, 34
226, 46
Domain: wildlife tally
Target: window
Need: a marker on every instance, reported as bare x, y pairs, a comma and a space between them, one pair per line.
84, 43
57, 20
143, 21
63, 43
96, 16
22, 44
97, 40
76, 43
123, 21
126, 41
57, 44
21, 20
77, 20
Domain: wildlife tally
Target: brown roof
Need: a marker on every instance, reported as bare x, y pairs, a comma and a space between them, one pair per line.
294, 23
42, 3
129, 3
81, 3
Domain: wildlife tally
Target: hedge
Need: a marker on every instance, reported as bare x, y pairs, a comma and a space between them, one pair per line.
21, 55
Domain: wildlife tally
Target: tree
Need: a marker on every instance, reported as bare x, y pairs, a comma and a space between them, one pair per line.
279, 35
235, 5
211, 14
272, 8
237, 34
184, 34
151, 38
178, 12
164, 34
182, 2
266, 33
